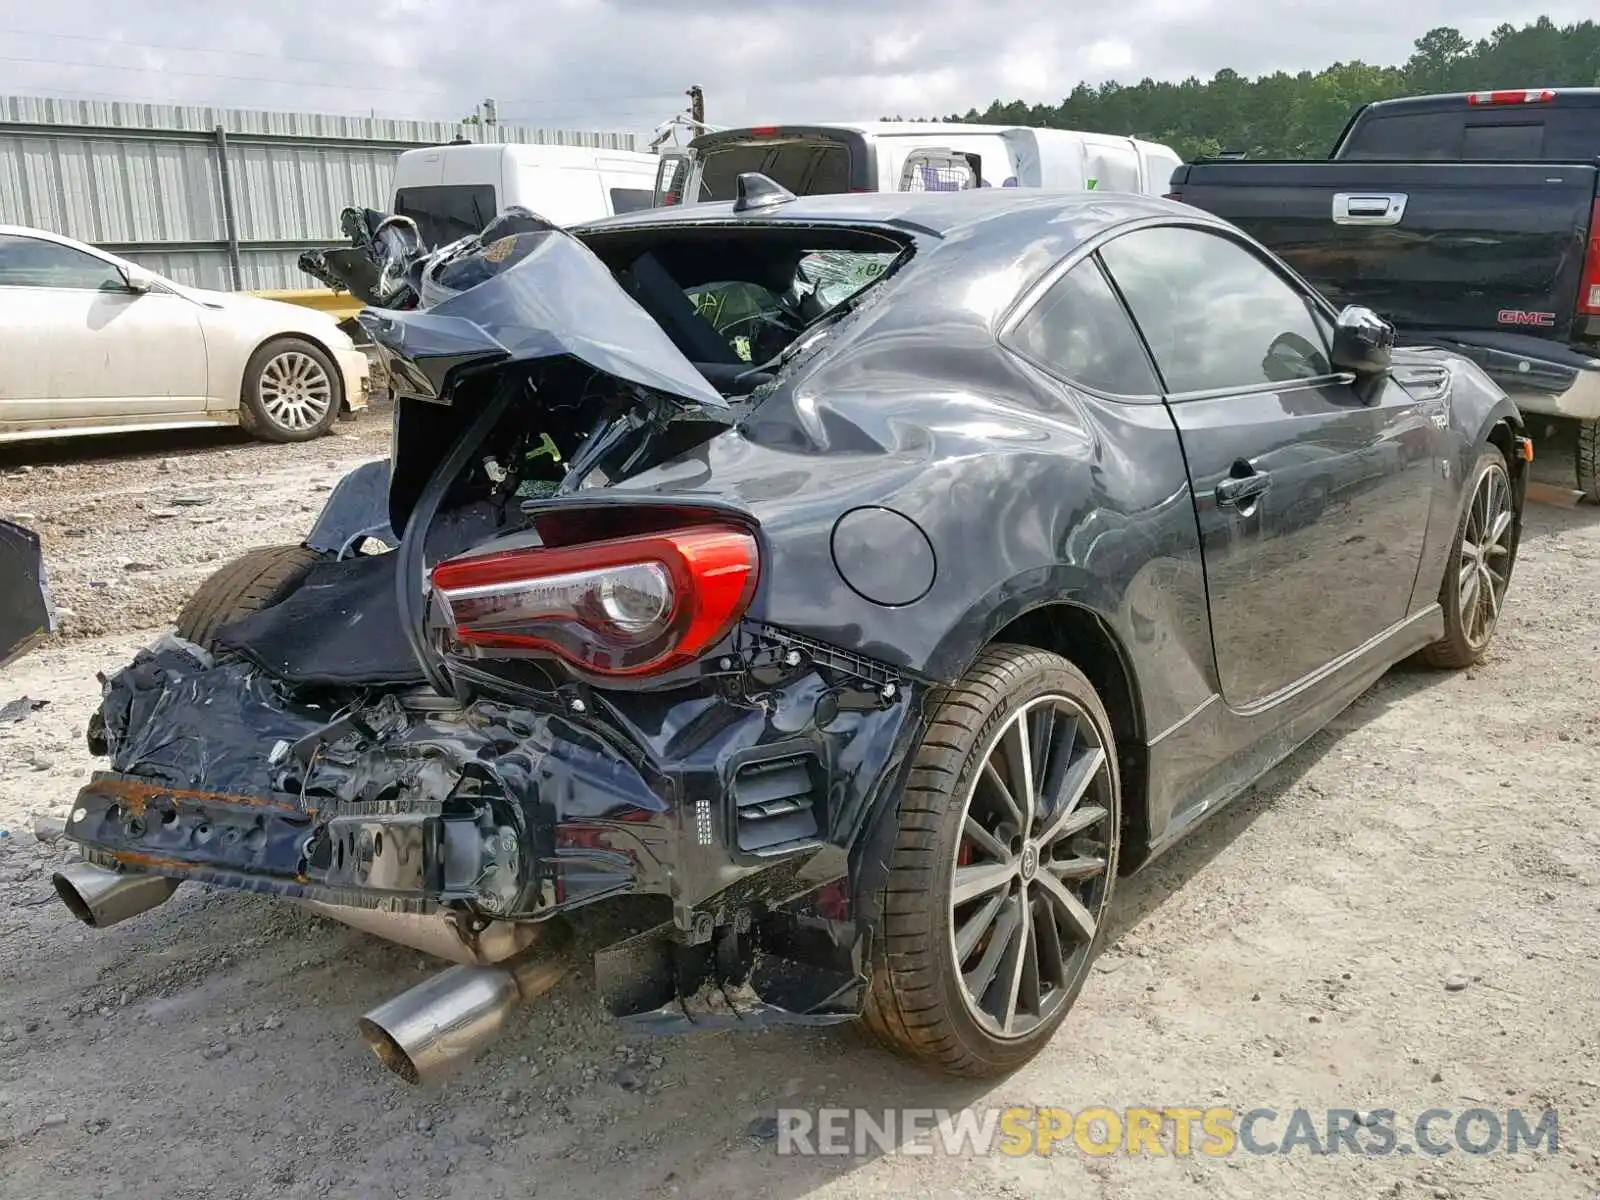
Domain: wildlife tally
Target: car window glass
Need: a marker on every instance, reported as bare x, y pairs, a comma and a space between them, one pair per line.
627, 200
32, 262
1434, 136
1522, 142
1214, 314
1079, 330
447, 213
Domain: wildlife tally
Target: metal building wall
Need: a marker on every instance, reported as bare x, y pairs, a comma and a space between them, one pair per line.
146, 180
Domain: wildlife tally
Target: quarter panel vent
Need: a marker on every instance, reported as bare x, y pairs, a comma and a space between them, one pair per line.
777, 804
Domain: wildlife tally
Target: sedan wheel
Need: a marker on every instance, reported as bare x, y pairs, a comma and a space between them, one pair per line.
291, 392
1030, 879
1475, 582
1002, 868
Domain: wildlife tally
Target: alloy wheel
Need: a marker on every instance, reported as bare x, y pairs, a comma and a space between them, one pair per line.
295, 391
1485, 565
1031, 875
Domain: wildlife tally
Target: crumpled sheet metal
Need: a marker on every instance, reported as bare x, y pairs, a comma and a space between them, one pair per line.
177, 718
609, 804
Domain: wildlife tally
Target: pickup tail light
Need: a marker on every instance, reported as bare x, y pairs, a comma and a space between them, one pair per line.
624, 606
1514, 96
1589, 286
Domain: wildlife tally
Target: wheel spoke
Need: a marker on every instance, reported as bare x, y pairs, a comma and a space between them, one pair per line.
1469, 588
1018, 751
1497, 533
979, 979
997, 785
985, 841
1042, 737
1080, 923
975, 926
980, 880
1052, 955
1074, 786
1077, 869
1491, 601
1018, 954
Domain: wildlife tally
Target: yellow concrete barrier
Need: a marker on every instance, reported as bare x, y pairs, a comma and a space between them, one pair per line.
338, 304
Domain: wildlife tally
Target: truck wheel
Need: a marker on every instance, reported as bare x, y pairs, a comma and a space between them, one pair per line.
1588, 460
250, 583
1002, 867
1479, 566
292, 392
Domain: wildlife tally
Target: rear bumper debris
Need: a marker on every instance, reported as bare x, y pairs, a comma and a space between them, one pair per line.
740, 806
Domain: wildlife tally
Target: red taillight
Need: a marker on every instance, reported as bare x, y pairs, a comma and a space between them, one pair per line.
1589, 288
1516, 96
764, 131
624, 606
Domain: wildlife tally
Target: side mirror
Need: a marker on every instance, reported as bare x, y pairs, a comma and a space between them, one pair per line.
1363, 342
137, 278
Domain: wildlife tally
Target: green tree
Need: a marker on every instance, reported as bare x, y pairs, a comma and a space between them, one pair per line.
1298, 116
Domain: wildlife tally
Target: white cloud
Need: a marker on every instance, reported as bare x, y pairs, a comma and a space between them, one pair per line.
626, 63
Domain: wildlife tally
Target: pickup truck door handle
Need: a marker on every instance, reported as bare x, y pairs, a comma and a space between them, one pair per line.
1234, 491
1368, 208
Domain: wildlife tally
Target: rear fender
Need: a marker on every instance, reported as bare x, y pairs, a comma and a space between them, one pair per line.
358, 507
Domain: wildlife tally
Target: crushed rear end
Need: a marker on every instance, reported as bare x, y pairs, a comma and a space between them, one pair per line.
548, 694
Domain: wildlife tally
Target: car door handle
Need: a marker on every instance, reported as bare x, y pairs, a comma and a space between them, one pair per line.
1233, 491
1368, 208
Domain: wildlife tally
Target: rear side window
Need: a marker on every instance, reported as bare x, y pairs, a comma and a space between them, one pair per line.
1080, 331
1421, 136
1215, 316
448, 213
626, 200
809, 167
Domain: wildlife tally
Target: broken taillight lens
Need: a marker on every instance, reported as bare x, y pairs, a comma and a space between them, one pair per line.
623, 606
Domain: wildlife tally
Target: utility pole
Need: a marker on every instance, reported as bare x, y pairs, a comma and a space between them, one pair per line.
489, 114
697, 105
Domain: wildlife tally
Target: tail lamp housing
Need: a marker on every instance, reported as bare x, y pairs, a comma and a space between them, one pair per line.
1589, 284
622, 606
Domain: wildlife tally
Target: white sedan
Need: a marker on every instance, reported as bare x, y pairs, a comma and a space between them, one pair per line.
91, 343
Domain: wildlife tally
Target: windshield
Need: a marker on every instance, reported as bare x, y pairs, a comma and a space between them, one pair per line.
806, 166
447, 214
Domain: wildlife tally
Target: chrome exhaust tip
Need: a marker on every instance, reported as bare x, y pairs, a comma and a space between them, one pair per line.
100, 897
424, 1031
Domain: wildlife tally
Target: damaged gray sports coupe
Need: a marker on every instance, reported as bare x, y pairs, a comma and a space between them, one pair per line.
867, 581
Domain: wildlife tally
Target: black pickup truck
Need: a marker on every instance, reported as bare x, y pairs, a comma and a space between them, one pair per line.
1471, 221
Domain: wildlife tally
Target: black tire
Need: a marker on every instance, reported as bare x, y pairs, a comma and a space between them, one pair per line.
917, 1001
258, 401
1586, 457
1464, 642
248, 584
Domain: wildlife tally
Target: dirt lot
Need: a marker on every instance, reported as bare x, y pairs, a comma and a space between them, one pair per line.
1405, 915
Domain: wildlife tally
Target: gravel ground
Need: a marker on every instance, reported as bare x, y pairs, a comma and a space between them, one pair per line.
1403, 915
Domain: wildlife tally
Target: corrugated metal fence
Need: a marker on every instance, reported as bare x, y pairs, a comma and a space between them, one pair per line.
217, 198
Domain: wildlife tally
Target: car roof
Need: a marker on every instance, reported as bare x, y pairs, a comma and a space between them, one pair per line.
935, 213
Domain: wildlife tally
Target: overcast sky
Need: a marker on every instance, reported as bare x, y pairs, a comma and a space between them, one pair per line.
625, 64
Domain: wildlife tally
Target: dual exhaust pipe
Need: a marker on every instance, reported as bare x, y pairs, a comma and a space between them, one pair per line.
423, 1032
100, 897
419, 1035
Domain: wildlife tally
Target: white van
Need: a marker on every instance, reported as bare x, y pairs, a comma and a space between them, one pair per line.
454, 191
893, 156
